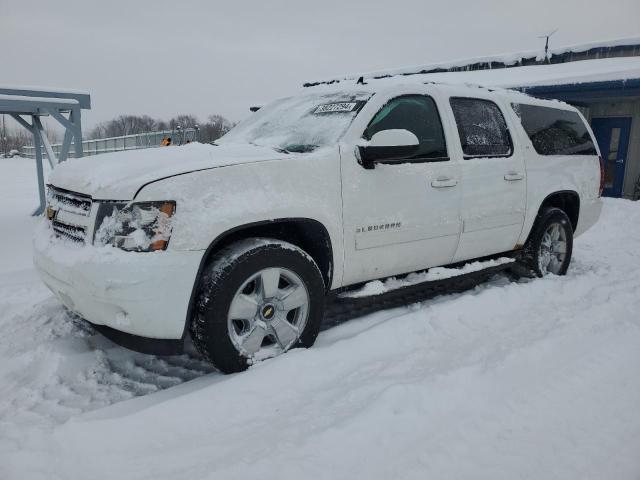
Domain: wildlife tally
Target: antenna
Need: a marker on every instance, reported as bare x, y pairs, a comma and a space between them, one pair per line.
546, 44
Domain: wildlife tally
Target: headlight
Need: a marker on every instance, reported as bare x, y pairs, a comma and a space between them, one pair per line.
141, 227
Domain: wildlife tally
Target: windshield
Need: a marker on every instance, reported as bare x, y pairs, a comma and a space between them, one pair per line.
300, 124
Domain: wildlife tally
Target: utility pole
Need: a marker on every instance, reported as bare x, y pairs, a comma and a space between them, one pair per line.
546, 44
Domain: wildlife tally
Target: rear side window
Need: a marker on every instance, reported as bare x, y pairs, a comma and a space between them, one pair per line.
482, 128
419, 115
554, 131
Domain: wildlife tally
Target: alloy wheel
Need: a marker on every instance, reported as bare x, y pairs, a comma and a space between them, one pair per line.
268, 312
553, 249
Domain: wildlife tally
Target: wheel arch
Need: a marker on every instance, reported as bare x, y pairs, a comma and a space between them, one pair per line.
308, 234
566, 200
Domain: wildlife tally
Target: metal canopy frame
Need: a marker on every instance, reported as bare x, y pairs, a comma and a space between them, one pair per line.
64, 106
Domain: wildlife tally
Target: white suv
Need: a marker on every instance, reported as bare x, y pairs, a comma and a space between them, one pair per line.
239, 242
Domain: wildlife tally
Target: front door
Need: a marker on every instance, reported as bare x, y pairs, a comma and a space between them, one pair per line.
612, 135
404, 216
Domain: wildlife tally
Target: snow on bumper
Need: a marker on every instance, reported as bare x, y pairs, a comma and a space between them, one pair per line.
589, 214
144, 294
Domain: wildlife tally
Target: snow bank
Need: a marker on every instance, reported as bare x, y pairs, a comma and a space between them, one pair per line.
530, 379
19, 194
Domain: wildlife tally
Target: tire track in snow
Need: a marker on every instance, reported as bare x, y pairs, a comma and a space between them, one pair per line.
84, 370
95, 373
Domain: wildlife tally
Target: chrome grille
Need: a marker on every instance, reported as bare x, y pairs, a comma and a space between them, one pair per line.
69, 213
70, 201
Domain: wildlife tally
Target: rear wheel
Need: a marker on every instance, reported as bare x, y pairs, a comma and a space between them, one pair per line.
549, 247
258, 299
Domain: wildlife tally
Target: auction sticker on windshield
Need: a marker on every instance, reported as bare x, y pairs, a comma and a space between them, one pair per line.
336, 107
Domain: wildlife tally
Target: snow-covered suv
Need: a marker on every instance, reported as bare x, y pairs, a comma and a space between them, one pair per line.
239, 242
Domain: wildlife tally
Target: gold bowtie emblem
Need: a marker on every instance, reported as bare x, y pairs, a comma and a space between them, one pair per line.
267, 312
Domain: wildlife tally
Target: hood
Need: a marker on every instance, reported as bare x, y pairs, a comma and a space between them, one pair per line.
119, 175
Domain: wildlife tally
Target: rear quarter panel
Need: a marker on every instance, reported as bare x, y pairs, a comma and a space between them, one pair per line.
548, 174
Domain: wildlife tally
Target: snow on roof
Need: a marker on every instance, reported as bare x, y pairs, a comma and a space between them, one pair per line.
43, 89
506, 59
585, 71
22, 98
20, 104
583, 47
37, 94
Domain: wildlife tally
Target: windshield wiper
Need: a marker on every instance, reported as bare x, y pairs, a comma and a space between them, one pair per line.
277, 149
300, 148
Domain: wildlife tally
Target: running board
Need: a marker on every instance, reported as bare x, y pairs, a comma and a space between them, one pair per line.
403, 290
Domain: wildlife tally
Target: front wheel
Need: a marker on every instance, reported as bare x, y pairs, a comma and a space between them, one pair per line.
549, 247
257, 299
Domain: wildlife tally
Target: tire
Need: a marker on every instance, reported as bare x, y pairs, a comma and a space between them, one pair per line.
271, 274
542, 253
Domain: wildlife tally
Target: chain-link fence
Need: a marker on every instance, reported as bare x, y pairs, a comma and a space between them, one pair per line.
176, 136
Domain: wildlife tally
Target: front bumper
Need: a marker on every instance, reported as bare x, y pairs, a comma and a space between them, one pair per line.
143, 294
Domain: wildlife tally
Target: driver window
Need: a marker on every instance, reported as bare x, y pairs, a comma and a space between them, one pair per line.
419, 115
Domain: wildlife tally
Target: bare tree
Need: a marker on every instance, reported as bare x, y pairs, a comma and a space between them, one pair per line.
183, 121
13, 139
125, 125
212, 129
215, 127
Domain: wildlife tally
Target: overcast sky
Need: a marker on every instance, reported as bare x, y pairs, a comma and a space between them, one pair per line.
164, 58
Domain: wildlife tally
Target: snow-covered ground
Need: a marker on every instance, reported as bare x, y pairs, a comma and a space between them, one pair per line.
534, 379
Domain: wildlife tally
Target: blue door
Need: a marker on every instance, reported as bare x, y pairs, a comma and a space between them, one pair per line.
612, 135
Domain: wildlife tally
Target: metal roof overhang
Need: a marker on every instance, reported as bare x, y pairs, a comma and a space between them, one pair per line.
24, 105
585, 92
83, 99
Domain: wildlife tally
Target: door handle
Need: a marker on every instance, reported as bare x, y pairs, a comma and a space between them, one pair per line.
444, 182
513, 176
620, 160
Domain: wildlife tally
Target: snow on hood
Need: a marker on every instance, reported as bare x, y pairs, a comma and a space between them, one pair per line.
119, 175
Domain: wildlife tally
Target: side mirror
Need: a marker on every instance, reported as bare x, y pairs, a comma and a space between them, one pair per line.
388, 146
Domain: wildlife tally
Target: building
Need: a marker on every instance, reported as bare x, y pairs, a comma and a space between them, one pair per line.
602, 79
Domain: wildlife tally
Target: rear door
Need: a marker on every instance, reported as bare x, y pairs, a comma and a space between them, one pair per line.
493, 178
612, 135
